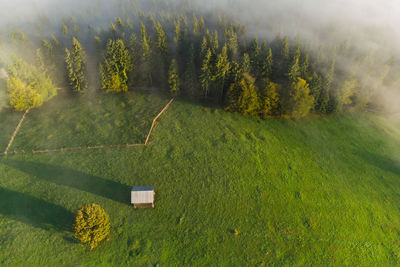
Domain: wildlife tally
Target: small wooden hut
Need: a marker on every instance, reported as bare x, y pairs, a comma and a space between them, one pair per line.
142, 196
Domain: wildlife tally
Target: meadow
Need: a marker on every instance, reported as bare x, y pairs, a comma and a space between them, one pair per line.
230, 190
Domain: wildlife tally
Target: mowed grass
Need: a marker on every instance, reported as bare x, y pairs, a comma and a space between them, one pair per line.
320, 191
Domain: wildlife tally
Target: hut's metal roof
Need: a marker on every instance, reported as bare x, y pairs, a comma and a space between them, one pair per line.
142, 195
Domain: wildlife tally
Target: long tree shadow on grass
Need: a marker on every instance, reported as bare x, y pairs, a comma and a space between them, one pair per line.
31, 210
74, 179
379, 161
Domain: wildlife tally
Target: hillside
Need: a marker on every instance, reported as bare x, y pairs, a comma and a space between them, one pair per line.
319, 191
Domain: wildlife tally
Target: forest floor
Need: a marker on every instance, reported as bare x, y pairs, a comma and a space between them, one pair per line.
230, 190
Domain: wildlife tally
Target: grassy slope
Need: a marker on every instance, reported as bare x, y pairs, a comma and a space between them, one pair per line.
317, 191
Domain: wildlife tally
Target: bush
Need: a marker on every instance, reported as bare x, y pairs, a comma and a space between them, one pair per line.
91, 225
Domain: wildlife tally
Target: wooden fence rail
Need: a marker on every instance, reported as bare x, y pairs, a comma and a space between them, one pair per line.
15, 132
7, 152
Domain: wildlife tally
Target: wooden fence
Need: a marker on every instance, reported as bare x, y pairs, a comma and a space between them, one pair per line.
7, 152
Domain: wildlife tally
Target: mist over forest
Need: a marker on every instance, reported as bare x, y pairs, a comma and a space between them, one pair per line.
360, 38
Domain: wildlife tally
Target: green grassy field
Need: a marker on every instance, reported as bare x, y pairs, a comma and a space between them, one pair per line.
320, 191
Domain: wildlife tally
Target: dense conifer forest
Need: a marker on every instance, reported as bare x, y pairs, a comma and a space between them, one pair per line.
206, 57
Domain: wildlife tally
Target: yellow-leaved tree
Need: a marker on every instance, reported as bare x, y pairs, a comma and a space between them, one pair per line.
27, 86
22, 96
91, 225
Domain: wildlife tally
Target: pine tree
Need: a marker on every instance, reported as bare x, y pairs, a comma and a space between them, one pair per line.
267, 65
178, 32
146, 55
315, 90
294, 70
76, 66
246, 63
116, 66
304, 68
65, 30
202, 24
173, 78
196, 25
243, 97
233, 45
120, 24
113, 30
255, 55
214, 43
204, 47
161, 41
285, 52
324, 99
222, 67
206, 75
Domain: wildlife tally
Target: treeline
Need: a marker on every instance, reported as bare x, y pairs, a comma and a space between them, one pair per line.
208, 58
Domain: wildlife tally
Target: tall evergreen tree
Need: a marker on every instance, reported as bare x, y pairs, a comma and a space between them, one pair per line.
222, 67
304, 68
255, 56
246, 63
294, 70
146, 55
161, 41
214, 43
243, 97
233, 45
315, 89
267, 65
76, 66
173, 78
205, 74
116, 66
324, 99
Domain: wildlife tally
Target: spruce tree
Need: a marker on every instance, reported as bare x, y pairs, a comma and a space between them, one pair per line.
173, 78
214, 43
255, 55
243, 97
294, 70
116, 66
76, 67
205, 74
267, 65
246, 63
325, 101
222, 67
285, 52
161, 41
304, 68
196, 25
146, 55
315, 90
233, 45
65, 30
